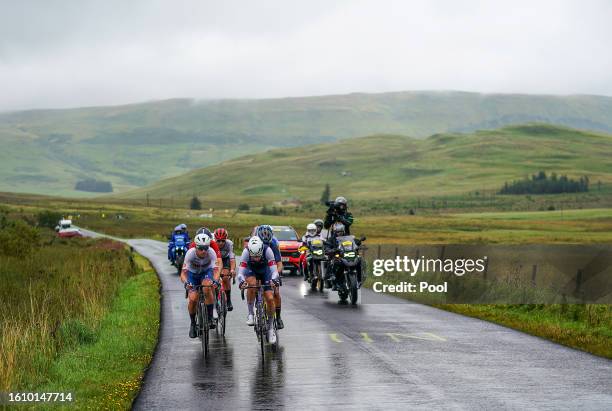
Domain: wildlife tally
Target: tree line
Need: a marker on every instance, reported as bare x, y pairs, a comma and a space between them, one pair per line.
541, 183
95, 186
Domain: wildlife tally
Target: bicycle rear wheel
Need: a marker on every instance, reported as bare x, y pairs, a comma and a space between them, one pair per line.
222, 311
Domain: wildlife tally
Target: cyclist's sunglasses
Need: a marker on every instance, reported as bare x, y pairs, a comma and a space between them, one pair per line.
202, 247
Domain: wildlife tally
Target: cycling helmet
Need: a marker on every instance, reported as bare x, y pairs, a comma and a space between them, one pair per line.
338, 229
319, 223
183, 226
202, 241
204, 230
265, 233
341, 203
220, 234
255, 246
311, 229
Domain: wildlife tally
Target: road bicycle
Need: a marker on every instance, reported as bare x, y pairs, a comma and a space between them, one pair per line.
261, 326
202, 321
221, 303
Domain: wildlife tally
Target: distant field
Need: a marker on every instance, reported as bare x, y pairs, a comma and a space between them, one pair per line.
574, 226
390, 173
47, 151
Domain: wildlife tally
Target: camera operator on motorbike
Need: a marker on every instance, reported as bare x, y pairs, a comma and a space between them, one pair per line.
338, 213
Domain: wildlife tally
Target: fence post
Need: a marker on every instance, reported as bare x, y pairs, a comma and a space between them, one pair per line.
534, 271
396, 252
442, 252
378, 254
416, 257
486, 269
578, 280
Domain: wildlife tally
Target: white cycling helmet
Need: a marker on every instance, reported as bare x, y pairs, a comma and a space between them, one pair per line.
255, 246
311, 229
202, 241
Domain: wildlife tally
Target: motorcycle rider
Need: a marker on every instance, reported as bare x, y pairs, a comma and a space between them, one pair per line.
319, 224
228, 259
180, 231
200, 268
266, 234
258, 263
337, 230
311, 233
338, 213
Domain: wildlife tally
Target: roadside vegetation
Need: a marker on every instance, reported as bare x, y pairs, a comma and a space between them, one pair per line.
74, 313
588, 330
587, 327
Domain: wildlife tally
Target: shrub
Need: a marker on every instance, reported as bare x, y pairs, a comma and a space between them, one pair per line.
17, 238
48, 219
195, 203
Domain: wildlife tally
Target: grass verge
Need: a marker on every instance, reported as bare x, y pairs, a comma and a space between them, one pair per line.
585, 327
76, 315
108, 372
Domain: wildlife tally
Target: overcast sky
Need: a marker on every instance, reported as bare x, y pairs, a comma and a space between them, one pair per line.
61, 53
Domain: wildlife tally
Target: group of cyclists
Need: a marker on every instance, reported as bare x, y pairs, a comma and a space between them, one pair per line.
211, 260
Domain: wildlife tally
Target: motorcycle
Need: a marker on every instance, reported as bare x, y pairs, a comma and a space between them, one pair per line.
317, 260
180, 249
346, 268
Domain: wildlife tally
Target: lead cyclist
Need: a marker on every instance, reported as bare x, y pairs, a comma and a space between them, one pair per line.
258, 263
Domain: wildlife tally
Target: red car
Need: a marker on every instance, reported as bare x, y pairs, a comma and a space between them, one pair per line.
289, 242
65, 229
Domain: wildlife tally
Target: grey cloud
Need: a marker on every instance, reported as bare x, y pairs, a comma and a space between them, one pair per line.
72, 53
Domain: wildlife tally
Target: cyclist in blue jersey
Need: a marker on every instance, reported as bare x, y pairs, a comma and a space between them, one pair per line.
258, 263
265, 233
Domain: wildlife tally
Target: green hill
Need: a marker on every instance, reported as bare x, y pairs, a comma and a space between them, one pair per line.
389, 166
48, 151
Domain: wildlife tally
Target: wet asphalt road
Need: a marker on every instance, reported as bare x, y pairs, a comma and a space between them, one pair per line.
384, 355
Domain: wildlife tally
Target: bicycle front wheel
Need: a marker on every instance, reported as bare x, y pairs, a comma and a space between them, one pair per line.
204, 314
261, 320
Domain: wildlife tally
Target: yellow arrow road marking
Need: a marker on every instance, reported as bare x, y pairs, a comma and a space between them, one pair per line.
436, 337
366, 338
396, 337
334, 338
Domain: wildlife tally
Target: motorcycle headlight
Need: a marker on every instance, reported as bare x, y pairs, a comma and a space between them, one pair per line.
350, 254
318, 252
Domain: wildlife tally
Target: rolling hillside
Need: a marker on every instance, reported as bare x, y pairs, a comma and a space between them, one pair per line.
389, 166
48, 151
